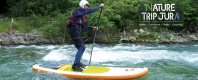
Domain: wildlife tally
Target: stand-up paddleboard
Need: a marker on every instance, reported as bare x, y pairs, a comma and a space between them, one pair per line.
94, 72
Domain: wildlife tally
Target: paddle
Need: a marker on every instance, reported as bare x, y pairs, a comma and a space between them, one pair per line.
95, 37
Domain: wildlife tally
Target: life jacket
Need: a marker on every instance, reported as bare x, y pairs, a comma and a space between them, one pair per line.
79, 20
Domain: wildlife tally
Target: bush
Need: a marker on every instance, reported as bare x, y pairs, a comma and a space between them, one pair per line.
4, 26
51, 30
37, 21
169, 36
152, 36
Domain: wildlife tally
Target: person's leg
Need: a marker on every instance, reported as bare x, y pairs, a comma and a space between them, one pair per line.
79, 54
79, 43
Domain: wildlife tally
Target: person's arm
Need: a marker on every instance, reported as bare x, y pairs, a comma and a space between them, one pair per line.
84, 11
88, 11
87, 27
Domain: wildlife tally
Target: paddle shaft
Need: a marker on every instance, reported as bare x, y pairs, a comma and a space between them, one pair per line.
95, 37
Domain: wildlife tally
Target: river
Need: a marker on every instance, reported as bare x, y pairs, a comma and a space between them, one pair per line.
165, 61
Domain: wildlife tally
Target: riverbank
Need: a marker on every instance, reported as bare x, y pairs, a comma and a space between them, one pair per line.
132, 36
16, 38
160, 37
119, 23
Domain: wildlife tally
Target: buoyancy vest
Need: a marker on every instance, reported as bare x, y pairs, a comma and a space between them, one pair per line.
79, 20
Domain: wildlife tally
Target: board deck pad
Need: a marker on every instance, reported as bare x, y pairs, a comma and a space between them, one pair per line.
89, 69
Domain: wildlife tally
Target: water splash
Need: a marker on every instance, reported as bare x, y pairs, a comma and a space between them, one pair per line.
122, 53
55, 55
164, 61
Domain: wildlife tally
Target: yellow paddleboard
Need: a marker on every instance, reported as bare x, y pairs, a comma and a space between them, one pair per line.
94, 72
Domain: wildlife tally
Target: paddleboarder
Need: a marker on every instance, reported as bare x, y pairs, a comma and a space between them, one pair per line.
75, 24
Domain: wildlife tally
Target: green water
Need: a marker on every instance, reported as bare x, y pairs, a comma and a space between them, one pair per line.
165, 62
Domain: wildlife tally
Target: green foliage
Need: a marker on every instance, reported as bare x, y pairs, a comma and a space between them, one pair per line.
84, 33
51, 30
49, 15
190, 12
121, 14
56, 27
26, 24
61, 23
92, 20
36, 21
20, 26
118, 13
189, 9
42, 7
152, 36
169, 36
4, 26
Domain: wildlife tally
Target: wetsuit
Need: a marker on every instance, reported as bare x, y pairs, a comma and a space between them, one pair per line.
75, 27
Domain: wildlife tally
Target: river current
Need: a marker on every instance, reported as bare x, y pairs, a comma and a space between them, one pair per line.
165, 61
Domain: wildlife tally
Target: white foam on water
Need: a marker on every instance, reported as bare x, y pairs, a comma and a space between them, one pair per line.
120, 53
194, 54
128, 47
52, 47
109, 65
106, 54
60, 52
55, 55
21, 46
38, 47
192, 60
31, 46
195, 45
48, 47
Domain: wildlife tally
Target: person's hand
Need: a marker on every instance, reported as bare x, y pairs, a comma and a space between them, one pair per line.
102, 5
95, 28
